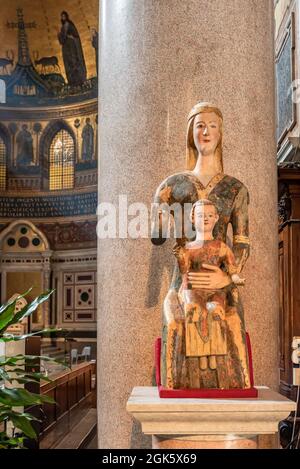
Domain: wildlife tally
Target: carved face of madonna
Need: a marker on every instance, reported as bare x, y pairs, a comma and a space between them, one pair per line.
205, 218
206, 132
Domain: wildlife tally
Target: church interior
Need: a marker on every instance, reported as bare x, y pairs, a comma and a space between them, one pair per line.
49, 177
48, 187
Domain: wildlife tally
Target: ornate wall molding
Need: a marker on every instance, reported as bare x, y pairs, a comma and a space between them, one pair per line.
86, 178
70, 235
24, 183
50, 112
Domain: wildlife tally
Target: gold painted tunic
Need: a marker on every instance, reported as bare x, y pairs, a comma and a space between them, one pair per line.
204, 310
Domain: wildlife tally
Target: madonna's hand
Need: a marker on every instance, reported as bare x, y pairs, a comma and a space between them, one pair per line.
213, 280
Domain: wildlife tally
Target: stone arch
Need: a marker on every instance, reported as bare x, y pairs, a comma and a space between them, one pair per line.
12, 231
26, 263
45, 142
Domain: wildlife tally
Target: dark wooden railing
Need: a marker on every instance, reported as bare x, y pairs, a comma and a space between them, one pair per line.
68, 388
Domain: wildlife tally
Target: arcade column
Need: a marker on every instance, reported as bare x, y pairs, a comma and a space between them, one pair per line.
157, 59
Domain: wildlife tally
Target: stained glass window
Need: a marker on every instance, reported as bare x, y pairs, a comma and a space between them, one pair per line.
3, 152
61, 173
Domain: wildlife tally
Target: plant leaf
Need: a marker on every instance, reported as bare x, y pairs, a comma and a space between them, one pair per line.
4, 374
7, 315
10, 337
24, 424
20, 420
21, 380
27, 359
21, 397
7, 412
6, 442
29, 308
34, 376
9, 302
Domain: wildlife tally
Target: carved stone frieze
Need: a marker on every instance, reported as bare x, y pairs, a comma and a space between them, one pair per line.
70, 235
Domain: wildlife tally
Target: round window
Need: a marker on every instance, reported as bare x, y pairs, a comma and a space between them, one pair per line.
36, 242
23, 242
11, 241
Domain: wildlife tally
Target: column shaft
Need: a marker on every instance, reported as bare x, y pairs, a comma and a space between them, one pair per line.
158, 58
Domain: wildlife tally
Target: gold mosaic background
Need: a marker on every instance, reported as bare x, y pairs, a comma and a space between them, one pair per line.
46, 14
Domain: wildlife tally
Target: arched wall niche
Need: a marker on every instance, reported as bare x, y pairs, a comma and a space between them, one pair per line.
52, 129
22, 236
25, 264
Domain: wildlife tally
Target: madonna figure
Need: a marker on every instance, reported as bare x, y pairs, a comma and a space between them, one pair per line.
204, 179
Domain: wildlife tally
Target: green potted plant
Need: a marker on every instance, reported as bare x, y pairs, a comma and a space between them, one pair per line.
13, 373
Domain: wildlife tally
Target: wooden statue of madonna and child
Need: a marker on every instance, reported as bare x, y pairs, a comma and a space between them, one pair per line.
204, 350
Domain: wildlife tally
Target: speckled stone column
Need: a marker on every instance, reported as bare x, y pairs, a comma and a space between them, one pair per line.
158, 58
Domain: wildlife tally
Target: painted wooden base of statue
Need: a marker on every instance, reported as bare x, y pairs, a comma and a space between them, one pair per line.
235, 393
204, 344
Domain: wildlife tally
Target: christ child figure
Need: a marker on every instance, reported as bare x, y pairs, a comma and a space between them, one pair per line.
204, 309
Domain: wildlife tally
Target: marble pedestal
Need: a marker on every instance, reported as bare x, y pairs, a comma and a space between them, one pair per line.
209, 423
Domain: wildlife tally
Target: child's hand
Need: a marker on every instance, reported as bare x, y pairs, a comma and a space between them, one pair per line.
176, 250
237, 280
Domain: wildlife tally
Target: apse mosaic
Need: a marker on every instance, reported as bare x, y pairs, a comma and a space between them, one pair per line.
49, 144
70, 73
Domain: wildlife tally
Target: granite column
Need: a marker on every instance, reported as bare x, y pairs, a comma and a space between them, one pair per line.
158, 58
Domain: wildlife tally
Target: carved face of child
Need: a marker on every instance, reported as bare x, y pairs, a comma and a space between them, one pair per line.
205, 218
207, 132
